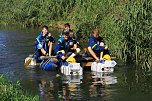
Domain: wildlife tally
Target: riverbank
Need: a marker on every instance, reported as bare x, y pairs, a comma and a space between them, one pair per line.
13, 92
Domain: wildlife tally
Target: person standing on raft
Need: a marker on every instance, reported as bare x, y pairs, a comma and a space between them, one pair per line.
96, 46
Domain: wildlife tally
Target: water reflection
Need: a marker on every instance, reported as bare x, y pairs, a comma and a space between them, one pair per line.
65, 88
61, 88
71, 88
103, 78
100, 85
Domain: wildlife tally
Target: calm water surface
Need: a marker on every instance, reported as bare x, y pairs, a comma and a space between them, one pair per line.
126, 83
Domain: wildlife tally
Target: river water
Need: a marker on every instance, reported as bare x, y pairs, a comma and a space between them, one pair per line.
127, 83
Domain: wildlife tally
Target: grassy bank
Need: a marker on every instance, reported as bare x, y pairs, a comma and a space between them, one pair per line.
13, 92
126, 25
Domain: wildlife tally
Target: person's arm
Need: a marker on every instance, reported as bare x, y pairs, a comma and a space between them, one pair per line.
95, 46
51, 39
39, 38
93, 54
101, 40
59, 52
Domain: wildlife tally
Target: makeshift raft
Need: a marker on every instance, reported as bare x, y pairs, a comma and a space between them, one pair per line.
72, 69
76, 68
84, 61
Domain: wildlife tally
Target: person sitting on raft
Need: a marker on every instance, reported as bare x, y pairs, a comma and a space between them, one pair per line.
44, 43
62, 48
73, 49
96, 46
66, 28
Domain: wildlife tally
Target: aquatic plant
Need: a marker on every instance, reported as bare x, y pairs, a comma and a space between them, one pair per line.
13, 92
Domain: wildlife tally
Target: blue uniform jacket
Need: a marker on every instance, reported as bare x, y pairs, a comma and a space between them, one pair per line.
73, 40
61, 45
40, 39
43, 40
94, 43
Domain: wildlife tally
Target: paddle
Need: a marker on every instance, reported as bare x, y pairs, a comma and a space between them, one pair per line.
27, 63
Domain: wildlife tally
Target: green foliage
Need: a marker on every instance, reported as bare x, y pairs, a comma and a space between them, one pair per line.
126, 25
10, 92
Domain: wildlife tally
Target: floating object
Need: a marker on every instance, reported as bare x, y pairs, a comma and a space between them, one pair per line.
49, 64
106, 66
30, 62
72, 69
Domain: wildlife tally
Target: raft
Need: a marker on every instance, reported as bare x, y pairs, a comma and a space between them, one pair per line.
84, 61
77, 68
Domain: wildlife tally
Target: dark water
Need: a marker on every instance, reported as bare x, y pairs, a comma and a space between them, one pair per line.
126, 83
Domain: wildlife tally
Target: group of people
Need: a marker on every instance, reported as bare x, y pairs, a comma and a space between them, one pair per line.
67, 46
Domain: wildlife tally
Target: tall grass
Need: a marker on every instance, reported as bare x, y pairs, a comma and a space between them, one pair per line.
126, 25
11, 92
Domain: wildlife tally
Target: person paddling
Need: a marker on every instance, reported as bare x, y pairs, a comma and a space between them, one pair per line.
44, 43
96, 46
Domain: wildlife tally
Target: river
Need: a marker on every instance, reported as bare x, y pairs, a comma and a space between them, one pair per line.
127, 83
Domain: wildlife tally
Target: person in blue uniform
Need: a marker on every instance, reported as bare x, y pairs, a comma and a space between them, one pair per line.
44, 43
66, 28
96, 46
73, 45
62, 46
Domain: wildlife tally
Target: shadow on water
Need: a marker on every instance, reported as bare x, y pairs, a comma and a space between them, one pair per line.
126, 83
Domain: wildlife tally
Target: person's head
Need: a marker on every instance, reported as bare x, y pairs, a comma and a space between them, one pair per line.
95, 33
45, 30
65, 35
67, 27
71, 34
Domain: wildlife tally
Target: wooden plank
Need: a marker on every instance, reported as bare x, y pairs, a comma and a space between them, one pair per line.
88, 58
87, 64
47, 57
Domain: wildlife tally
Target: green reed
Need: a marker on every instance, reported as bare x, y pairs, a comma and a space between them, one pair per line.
13, 92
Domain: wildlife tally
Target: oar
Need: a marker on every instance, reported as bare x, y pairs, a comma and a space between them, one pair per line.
27, 63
